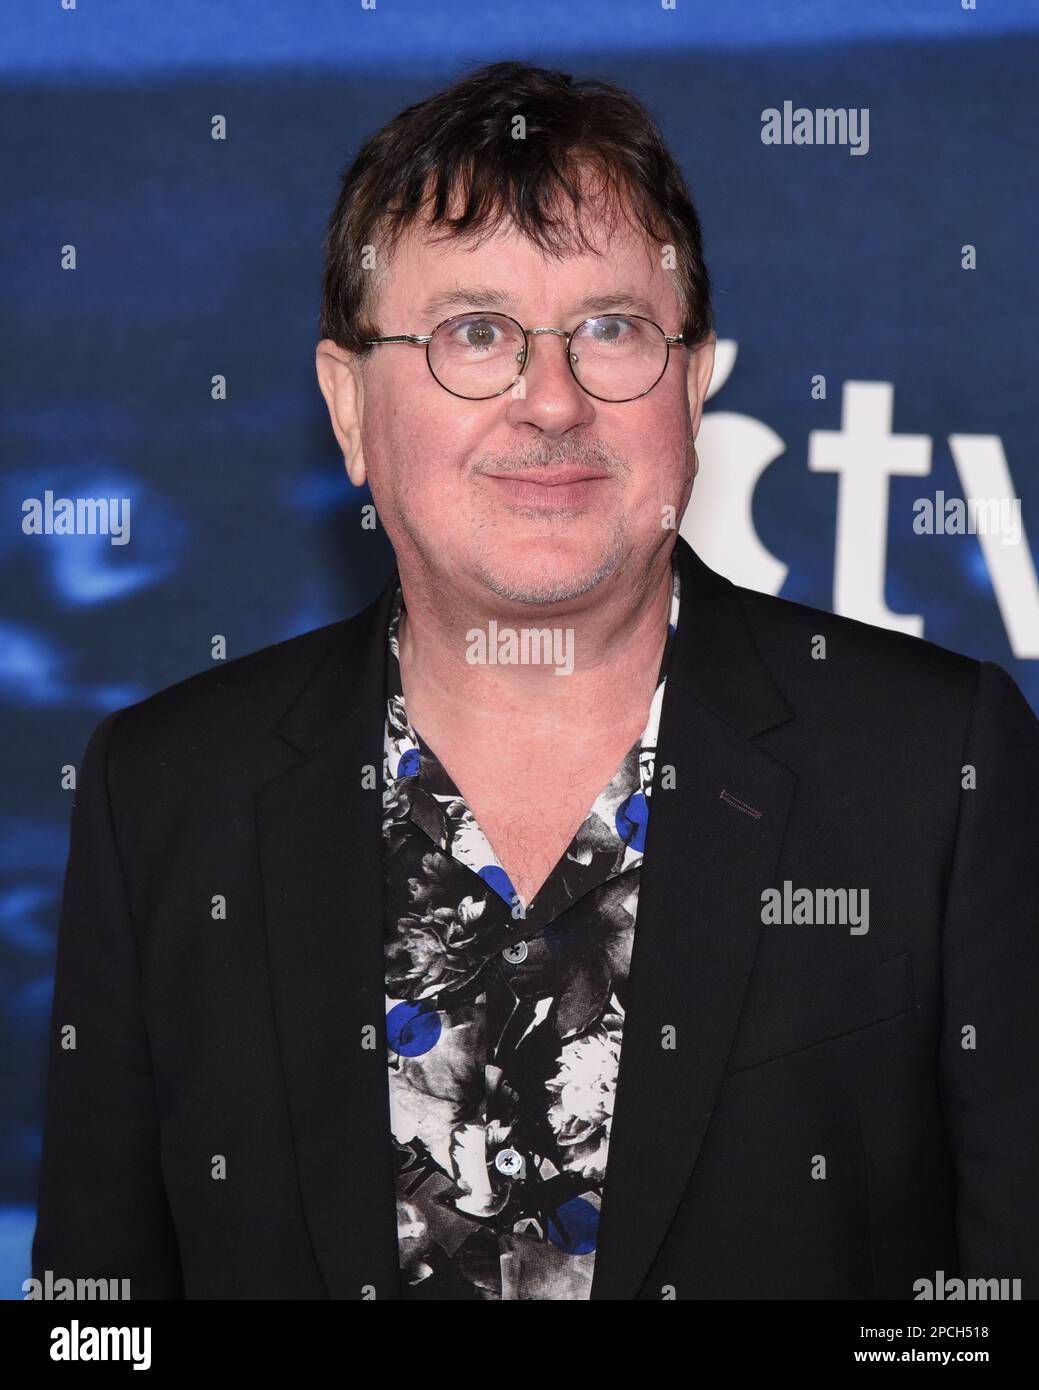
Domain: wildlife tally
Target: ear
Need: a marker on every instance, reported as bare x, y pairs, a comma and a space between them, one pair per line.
342, 384
699, 371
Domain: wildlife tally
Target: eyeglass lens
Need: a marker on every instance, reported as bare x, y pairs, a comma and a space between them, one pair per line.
615, 357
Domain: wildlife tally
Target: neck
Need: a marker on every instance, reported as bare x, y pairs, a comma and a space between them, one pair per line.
471, 664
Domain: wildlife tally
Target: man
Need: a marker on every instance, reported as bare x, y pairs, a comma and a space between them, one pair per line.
385, 981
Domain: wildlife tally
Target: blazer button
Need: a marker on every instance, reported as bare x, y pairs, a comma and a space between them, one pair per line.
508, 1161
515, 954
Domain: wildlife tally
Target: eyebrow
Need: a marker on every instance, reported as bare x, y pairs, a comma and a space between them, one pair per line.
478, 297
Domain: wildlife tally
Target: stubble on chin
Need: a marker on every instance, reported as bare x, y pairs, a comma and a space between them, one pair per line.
511, 583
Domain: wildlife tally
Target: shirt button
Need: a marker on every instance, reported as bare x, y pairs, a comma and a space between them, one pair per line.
515, 954
508, 1161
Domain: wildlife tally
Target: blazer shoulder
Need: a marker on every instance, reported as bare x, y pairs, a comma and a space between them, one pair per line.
233, 701
887, 668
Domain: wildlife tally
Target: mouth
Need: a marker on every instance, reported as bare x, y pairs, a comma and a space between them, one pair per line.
563, 489
559, 477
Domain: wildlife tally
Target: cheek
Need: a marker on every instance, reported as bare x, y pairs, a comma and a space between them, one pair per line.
657, 443
412, 412
417, 451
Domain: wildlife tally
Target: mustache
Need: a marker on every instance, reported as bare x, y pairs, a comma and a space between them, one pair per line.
588, 454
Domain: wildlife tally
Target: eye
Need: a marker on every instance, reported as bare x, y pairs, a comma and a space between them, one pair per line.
476, 333
614, 328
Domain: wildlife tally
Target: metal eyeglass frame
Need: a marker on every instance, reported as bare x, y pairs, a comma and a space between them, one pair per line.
670, 340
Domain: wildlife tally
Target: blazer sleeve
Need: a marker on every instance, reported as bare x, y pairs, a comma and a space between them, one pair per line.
102, 1210
989, 1050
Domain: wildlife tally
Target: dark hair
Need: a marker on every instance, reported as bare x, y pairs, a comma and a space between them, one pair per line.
459, 143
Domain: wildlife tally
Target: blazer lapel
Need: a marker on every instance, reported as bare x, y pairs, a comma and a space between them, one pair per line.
320, 853
712, 844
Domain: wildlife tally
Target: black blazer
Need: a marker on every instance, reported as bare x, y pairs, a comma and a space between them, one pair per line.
817, 1129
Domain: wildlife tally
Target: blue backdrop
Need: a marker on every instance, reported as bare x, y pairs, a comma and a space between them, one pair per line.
196, 258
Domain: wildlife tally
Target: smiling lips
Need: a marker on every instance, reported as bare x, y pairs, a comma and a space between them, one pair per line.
566, 488
547, 478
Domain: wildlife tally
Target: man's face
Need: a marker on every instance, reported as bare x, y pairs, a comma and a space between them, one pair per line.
445, 473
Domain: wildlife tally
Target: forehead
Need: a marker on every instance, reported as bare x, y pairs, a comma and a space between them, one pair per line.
432, 276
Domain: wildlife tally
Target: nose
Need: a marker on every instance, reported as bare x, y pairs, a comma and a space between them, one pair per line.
546, 394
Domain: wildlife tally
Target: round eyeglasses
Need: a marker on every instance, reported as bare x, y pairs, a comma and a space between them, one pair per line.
617, 357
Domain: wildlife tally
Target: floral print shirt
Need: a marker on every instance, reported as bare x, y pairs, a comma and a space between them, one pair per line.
504, 1023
